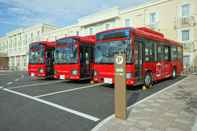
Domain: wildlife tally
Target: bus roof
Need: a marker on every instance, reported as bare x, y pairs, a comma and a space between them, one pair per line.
84, 39
45, 43
146, 32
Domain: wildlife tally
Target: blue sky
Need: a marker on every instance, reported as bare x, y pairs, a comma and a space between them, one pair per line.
21, 13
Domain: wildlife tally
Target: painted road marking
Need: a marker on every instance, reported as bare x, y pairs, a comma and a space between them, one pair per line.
16, 79
1, 87
36, 84
3, 74
9, 83
97, 128
69, 90
83, 115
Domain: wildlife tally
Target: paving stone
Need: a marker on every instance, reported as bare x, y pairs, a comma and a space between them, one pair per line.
173, 129
161, 123
169, 114
135, 129
181, 126
153, 129
183, 121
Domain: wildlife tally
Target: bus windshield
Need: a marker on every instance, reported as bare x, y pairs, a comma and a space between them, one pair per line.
66, 54
105, 51
36, 54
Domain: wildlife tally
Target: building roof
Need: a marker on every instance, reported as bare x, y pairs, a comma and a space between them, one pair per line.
144, 5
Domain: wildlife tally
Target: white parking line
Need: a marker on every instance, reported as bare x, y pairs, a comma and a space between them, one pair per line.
1, 87
16, 79
9, 83
83, 115
69, 90
3, 74
36, 84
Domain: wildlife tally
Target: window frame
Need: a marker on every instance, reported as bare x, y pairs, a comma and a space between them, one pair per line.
182, 12
189, 35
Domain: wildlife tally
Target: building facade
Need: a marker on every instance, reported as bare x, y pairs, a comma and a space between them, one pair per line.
16, 44
176, 19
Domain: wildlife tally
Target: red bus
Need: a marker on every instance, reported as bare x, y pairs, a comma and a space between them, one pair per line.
74, 57
41, 59
149, 55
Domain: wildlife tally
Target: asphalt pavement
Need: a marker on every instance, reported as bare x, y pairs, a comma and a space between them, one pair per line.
48, 105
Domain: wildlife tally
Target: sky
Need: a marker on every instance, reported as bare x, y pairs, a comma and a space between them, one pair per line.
23, 13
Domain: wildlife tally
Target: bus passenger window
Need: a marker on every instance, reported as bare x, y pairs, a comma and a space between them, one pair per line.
148, 51
166, 54
173, 53
160, 53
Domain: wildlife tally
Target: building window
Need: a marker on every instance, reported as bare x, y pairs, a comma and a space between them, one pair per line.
153, 18
38, 35
91, 31
31, 36
77, 32
186, 61
127, 22
24, 61
185, 10
185, 35
107, 26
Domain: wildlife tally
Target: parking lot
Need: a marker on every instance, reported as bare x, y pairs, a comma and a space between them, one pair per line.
56, 105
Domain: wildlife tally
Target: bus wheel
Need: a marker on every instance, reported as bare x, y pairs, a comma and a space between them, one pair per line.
148, 80
174, 73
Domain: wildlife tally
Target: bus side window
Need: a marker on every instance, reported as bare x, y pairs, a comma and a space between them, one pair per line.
149, 51
160, 53
155, 51
180, 54
173, 53
166, 53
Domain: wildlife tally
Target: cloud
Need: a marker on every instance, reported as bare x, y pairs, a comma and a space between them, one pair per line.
57, 12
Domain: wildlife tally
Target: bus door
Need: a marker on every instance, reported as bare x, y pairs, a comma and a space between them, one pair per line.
49, 62
138, 47
86, 53
167, 63
160, 70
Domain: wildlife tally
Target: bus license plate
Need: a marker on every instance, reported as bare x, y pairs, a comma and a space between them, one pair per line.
108, 80
62, 77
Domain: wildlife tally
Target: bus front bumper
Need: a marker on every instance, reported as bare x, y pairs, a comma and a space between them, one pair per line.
66, 77
110, 80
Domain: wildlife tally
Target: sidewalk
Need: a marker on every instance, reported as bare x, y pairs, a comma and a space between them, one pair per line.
174, 109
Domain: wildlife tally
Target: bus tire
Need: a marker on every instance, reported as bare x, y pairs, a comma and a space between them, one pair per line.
148, 81
174, 73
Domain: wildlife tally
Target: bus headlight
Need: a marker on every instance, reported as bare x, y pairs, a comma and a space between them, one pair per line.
41, 70
74, 72
128, 75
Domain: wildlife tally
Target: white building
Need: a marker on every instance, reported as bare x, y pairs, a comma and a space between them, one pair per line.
16, 44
